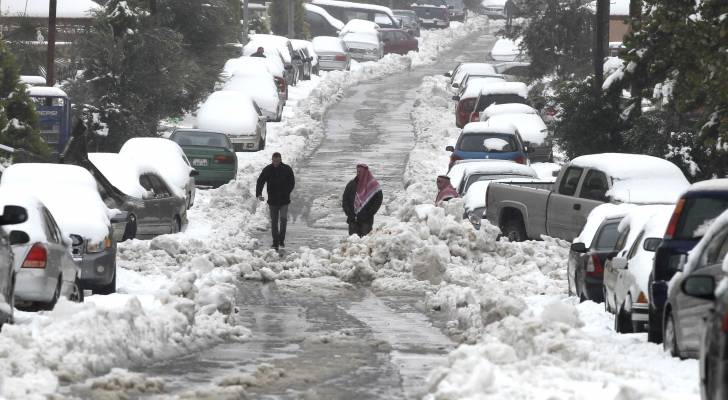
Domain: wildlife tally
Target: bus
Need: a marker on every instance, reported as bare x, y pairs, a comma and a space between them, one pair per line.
54, 112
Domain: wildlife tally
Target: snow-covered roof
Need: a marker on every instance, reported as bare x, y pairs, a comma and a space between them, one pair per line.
473, 68
162, 156
305, 44
530, 126
490, 3
476, 84
348, 4
320, 11
710, 185
266, 41
33, 226
46, 91
229, 112
506, 47
272, 57
595, 218
33, 80
121, 171
509, 108
495, 167
260, 88
329, 44
638, 178
256, 65
517, 88
484, 127
359, 26
39, 8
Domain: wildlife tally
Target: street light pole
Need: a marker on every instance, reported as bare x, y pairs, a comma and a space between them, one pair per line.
51, 57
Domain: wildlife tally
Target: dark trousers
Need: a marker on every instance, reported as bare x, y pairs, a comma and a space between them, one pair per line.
279, 233
361, 228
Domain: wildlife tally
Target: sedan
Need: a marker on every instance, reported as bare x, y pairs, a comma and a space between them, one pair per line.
398, 41
11, 215
236, 115
332, 53
478, 140
262, 89
43, 264
307, 48
211, 153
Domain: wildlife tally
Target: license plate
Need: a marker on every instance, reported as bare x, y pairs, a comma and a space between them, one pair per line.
199, 162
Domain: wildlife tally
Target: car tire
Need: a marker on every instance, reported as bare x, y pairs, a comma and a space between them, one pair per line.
77, 294
654, 333
622, 321
514, 230
176, 225
670, 337
131, 228
8, 319
56, 294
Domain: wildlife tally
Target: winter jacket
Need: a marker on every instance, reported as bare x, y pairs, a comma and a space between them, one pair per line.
367, 213
280, 183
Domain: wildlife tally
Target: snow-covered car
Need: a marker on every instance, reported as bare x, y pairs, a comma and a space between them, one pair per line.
167, 158
494, 9
457, 74
332, 53
626, 275
470, 77
261, 89
281, 44
320, 22
236, 115
11, 215
44, 266
457, 10
70, 193
258, 65
506, 49
480, 140
432, 13
211, 153
513, 70
499, 93
153, 207
363, 40
529, 124
306, 47
468, 96
398, 41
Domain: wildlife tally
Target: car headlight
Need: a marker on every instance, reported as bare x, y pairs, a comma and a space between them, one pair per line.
97, 247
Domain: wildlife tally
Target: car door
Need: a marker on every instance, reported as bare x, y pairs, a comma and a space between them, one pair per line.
593, 193
61, 248
625, 278
610, 273
148, 222
562, 205
54, 246
164, 204
690, 311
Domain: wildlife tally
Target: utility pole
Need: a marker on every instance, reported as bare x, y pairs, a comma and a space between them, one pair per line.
246, 22
601, 44
51, 56
291, 16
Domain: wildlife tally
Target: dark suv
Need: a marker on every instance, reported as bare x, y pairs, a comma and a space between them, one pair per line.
694, 212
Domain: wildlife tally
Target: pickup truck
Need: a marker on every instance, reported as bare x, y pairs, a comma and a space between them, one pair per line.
527, 210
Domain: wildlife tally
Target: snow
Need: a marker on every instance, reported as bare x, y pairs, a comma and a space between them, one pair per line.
252, 65
619, 8
33, 80
70, 194
162, 156
300, 44
473, 69
595, 218
506, 49
260, 87
33, 225
717, 225
517, 88
509, 108
46, 91
720, 185
268, 42
347, 4
39, 8
530, 126
324, 44
359, 26
475, 86
638, 178
229, 112
369, 40
121, 171
496, 144
496, 167
320, 11
482, 127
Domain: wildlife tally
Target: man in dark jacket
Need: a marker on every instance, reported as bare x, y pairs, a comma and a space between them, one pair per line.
361, 201
280, 181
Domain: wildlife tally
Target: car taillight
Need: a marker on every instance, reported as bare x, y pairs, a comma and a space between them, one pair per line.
594, 267
223, 159
521, 160
475, 116
672, 227
642, 298
37, 257
340, 57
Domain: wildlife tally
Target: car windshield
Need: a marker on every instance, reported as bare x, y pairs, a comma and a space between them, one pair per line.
607, 237
505, 98
488, 142
201, 138
698, 215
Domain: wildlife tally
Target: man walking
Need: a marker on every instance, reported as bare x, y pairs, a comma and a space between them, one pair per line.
280, 183
361, 201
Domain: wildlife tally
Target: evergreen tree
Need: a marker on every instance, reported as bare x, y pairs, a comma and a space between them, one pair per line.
18, 118
278, 11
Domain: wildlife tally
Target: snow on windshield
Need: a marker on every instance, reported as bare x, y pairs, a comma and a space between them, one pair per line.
163, 156
230, 112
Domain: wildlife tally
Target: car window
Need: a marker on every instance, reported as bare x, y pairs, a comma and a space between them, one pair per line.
146, 184
595, 186
621, 240
717, 248
488, 142
607, 237
635, 245
485, 100
160, 188
570, 181
50, 227
698, 215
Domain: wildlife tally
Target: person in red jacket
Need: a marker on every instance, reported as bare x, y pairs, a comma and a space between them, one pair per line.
445, 190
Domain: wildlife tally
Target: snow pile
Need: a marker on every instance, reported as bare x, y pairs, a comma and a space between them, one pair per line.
163, 156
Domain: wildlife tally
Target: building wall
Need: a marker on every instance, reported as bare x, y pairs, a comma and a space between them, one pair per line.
618, 28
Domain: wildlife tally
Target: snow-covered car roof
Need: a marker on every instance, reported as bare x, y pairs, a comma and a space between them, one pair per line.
716, 226
638, 178
46, 91
509, 108
360, 37
268, 43
258, 65
506, 49
530, 126
259, 87
710, 185
328, 44
122, 172
230, 112
495, 167
489, 3
597, 216
473, 68
517, 88
475, 85
320, 11
39, 8
33, 226
348, 4
68, 191
163, 156
359, 26
485, 127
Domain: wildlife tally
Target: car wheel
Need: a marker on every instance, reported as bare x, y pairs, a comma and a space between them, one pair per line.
622, 321
654, 334
670, 337
131, 228
76, 294
514, 230
11, 295
176, 225
108, 288
56, 294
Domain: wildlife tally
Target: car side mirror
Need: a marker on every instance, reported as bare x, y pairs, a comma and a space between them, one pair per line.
456, 98
449, 148
13, 215
76, 240
18, 237
651, 244
447, 74
619, 263
700, 286
578, 247
456, 85
194, 172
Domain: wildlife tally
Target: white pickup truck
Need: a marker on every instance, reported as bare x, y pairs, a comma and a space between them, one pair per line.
527, 210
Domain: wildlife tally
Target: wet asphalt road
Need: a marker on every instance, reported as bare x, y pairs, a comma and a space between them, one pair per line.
340, 341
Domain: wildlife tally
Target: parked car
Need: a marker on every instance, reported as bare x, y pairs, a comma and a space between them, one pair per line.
363, 40
694, 211
256, 65
494, 9
505, 49
274, 46
499, 93
310, 58
464, 173
515, 71
480, 140
591, 250
166, 157
398, 41
12, 215
346, 11
320, 22
457, 10
560, 209
457, 74
140, 190
211, 153
43, 264
408, 21
529, 124
468, 78
468, 97
683, 326
236, 115
432, 13
332, 53
626, 275
261, 89
70, 194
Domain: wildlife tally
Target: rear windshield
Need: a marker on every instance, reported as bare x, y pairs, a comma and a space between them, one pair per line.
697, 216
488, 142
489, 177
199, 138
485, 101
607, 237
